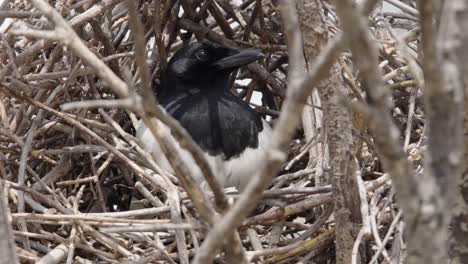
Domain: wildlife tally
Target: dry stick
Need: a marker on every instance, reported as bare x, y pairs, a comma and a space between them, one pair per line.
105, 240
132, 141
255, 13
21, 177
100, 237
158, 32
63, 167
409, 122
72, 239
337, 121
155, 181
147, 212
85, 218
282, 134
404, 7
7, 245
42, 198
310, 143
254, 241
24, 57
109, 242
55, 256
374, 184
11, 56
126, 103
154, 200
366, 225
3, 6
364, 204
374, 228
175, 208
328, 210
23, 159
303, 190
160, 247
386, 238
357, 242
288, 251
304, 246
292, 176
59, 239
149, 228
149, 101
193, 235
92, 12
402, 47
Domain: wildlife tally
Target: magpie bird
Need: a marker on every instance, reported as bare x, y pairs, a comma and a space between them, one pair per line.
195, 90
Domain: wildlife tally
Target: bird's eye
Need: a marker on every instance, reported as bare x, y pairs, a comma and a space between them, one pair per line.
202, 55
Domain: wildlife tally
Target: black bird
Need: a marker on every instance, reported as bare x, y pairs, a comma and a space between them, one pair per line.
195, 90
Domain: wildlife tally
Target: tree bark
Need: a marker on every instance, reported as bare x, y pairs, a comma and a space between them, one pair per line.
337, 123
7, 246
454, 40
443, 94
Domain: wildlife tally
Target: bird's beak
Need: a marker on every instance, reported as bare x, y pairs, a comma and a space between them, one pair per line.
238, 58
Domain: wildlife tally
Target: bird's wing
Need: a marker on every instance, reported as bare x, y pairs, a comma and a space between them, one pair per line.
225, 125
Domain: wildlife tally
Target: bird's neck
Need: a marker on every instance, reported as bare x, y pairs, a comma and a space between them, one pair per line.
174, 87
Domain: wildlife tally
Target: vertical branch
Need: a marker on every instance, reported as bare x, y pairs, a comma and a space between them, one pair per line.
452, 41
443, 100
149, 102
7, 245
385, 133
284, 130
158, 32
337, 121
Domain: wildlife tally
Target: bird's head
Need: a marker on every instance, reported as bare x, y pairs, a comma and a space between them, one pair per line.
204, 64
